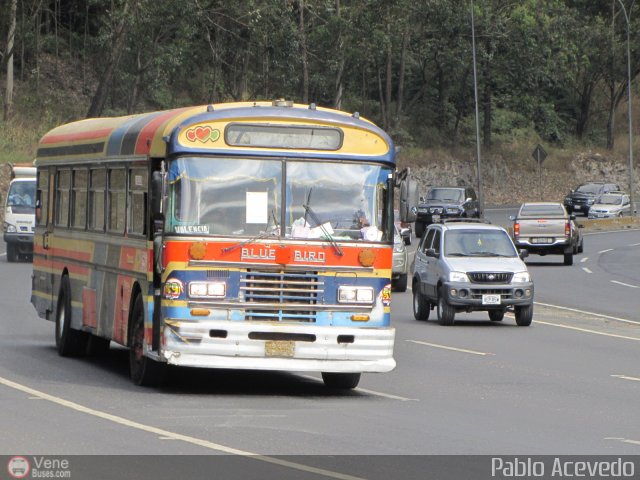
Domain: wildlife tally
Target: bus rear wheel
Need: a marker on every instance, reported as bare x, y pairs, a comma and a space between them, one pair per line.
69, 342
143, 370
342, 381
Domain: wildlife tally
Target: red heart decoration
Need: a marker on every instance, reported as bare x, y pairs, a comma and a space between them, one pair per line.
191, 135
203, 133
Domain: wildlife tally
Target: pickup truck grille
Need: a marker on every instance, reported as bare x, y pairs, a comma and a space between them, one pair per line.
490, 277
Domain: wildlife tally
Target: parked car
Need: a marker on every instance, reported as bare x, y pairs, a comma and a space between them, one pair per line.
470, 266
400, 270
580, 199
609, 205
446, 202
545, 228
405, 228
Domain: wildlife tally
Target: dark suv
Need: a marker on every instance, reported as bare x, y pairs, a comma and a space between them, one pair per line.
446, 202
581, 199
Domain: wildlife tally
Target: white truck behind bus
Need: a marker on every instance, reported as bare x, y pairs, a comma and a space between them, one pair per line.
19, 212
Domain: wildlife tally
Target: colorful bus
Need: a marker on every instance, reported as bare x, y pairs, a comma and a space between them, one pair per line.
253, 235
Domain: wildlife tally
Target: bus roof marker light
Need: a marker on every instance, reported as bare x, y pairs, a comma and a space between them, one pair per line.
312, 106
210, 108
356, 115
281, 102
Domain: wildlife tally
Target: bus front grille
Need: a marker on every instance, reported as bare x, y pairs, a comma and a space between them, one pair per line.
287, 296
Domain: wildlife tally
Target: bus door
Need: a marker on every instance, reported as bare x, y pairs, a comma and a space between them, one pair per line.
43, 255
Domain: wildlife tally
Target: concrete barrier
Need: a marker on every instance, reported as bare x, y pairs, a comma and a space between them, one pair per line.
599, 224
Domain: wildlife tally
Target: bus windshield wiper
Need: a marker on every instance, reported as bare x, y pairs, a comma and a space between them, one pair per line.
309, 211
266, 233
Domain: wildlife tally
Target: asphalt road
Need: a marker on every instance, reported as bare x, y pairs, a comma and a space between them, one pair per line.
566, 385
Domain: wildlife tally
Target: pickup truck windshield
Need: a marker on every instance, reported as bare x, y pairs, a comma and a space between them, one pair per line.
445, 194
542, 211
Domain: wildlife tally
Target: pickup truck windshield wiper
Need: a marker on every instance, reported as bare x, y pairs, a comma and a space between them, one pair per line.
308, 211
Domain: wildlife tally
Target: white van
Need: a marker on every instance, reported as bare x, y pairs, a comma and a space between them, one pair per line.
19, 212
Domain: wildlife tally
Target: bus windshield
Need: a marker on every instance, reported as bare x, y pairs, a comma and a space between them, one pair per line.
246, 197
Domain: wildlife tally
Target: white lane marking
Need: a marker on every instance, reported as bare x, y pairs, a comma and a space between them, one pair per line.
586, 330
606, 250
445, 347
371, 392
166, 434
624, 284
608, 317
584, 259
587, 270
625, 377
624, 440
634, 244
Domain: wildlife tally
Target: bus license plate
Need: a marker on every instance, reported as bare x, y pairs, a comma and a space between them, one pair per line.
491, 299
279, 348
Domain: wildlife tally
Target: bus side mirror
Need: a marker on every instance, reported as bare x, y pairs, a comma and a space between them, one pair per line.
157, 193
408, 200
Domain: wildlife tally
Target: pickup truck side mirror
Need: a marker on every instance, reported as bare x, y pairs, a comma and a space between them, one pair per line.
524, 253
572, 217
512, 217
431, 252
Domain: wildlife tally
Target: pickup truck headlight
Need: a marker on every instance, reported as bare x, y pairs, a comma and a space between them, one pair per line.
348, 294
398, 247
207, 289
458, 277
9, 228
521, 277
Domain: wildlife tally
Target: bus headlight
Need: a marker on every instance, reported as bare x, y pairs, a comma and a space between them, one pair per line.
207, 289
348, 294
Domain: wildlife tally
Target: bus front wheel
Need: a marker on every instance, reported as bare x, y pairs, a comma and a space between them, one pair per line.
143, 370
341, 380
69, 342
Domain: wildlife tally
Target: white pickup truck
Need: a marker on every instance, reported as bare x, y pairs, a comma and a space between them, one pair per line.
545, 228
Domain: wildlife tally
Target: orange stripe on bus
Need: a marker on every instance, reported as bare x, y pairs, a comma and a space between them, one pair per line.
72, 137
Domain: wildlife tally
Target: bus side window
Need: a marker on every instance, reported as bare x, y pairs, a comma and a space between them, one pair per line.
42, 197
63, 184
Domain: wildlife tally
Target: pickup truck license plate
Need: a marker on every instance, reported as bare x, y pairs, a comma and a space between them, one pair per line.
542, 240
577, 207
435, 218
491, 299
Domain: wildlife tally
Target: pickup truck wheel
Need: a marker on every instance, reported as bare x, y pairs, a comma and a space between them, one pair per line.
400, 285
12, 254
446, 313
496, 315
568, 259
524, 315
421, 307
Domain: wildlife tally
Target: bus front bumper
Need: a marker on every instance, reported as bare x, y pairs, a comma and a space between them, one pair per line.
275, 346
